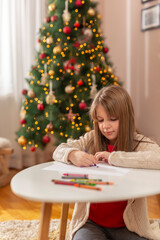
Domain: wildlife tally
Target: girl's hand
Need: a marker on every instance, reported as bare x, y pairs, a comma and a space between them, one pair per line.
102, 156
81, 159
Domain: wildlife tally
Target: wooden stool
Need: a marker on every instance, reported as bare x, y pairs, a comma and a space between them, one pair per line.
5, 173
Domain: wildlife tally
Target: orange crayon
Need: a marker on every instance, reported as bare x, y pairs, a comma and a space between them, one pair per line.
87, 187
101, 183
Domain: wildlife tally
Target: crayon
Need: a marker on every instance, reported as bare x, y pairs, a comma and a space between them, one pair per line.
92, 182
86, 180
75, 175
63, 182
75, 184
87, 187
93, 165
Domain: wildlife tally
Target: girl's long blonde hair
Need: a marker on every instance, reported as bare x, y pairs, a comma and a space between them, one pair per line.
117, 103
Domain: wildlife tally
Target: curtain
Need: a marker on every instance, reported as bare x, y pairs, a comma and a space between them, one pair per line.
20, 21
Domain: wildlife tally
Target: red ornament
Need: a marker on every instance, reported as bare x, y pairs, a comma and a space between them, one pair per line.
78, 3
22, 121
46, 139
42, 55
54, 18
92, 46
32, 149
40, 106
67, 30
82, 105
38, 40
34, 67
24, 91
77, 24
47, 19
98, 69
76, 44
80, 82
105, 50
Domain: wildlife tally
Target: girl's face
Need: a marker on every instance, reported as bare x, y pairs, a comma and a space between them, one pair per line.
108, 125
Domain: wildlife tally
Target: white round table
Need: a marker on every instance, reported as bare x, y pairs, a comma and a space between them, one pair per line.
35, 183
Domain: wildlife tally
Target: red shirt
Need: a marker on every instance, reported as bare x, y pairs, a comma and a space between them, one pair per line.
108, 214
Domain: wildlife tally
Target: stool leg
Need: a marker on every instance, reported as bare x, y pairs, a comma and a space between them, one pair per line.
63, 222
5, 169
44, 221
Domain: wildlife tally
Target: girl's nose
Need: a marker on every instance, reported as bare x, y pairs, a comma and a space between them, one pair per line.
106, 124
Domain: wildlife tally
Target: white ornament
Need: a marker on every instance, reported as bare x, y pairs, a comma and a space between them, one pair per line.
69, 89
49, 40
45, 75
31, 93
22, 113
44, 79
93, 87
88, 34
66, 16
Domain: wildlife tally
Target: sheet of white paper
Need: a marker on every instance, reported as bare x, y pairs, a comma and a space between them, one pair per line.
100, 169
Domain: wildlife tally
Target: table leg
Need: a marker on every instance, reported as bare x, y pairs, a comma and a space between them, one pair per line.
44, 221
63, 222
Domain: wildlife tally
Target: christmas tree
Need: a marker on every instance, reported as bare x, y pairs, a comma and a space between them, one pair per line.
72, 64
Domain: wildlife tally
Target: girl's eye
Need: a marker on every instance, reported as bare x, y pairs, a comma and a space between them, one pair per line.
113, 119
100, 120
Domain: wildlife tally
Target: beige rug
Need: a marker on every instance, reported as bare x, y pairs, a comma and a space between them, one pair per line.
27, 230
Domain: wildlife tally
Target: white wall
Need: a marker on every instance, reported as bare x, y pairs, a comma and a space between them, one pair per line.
136, 58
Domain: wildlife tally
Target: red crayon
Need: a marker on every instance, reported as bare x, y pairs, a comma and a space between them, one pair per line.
63, 182
75, 175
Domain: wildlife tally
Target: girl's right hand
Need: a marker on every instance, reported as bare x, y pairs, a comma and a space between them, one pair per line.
104, 155
81, 159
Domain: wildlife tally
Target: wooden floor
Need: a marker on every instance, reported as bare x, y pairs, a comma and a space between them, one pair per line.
13, 207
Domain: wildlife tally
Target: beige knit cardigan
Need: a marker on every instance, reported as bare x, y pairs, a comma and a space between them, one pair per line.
146, 155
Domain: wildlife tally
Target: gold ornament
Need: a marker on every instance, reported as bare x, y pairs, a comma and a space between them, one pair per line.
87, 128
99, 30
99, 16
52, 7
49, 40
110, 70
91, 12
22, 141
57, 50
69, 89
116, 78
51, 72
50, 99
31, 93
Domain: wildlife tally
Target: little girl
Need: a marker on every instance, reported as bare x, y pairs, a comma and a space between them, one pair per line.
116, 141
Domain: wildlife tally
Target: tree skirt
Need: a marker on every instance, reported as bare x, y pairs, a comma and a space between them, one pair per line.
27, 230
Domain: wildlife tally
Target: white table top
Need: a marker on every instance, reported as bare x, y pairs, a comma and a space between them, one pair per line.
34, 183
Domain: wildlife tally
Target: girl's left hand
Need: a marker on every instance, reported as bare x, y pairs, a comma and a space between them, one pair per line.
102, 156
